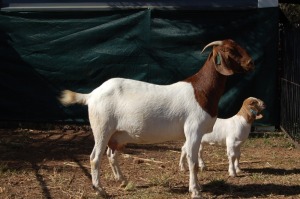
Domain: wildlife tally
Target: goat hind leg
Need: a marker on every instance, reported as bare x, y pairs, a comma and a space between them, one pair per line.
231, 160
114, 164
95, 164
101, 140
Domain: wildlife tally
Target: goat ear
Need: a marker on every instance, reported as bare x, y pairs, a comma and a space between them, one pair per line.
259, 116
221, 63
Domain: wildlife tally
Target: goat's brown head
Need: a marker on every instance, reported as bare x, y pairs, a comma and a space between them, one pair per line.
252, 108
229, 57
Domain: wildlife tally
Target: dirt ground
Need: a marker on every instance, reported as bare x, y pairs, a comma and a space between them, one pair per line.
55, 164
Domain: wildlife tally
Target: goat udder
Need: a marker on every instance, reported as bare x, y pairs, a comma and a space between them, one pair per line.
114, 145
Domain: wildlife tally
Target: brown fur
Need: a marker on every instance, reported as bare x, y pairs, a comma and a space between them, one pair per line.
209, 82
208, 91
114, 145
254, 104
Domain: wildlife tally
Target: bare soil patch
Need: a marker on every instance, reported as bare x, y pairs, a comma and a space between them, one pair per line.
55, 164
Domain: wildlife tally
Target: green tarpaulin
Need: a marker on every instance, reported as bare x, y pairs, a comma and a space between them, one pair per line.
42, 53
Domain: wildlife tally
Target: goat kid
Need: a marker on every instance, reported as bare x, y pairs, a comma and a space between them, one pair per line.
125, 111
232, 133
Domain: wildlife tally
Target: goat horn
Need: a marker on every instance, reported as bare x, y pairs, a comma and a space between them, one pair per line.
214, 43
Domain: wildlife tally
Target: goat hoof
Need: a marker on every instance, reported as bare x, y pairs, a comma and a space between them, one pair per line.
123, 184
100, 191
183, 169
201, 188
203, 169
196, 196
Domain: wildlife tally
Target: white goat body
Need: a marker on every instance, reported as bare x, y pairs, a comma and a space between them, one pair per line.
145, 113
234, 128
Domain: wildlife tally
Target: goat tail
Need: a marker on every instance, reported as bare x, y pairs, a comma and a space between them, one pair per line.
69, 97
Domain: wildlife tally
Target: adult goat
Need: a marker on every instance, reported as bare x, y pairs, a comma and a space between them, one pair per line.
125, 111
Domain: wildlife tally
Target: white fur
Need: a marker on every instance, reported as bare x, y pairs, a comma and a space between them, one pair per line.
232, 133
129, 111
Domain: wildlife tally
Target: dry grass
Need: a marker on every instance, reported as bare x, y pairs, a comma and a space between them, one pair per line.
55, 164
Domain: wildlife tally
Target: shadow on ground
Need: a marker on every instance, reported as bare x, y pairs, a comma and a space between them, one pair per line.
250, 190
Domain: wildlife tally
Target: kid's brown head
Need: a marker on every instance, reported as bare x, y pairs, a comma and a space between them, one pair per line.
251, 109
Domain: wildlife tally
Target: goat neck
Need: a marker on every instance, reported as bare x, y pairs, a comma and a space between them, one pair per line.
209, 86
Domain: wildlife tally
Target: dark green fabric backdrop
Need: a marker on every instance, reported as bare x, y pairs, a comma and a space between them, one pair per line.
42, 53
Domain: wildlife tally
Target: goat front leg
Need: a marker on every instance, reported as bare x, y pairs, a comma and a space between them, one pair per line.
192, 147
183, 166
114, 164
237, 160
182, 161
231, 159
200, 159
